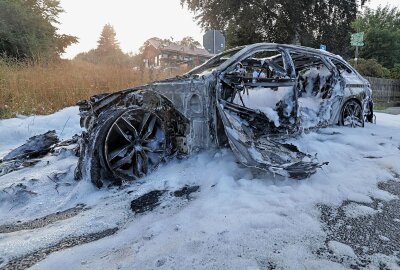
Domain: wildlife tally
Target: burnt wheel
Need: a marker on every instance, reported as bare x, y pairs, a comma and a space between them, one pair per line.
135, 144
352, 114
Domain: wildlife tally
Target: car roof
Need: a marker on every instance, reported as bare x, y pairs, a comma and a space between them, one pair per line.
255, 46
291, 46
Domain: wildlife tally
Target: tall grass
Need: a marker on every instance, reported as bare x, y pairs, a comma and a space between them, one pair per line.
45, 88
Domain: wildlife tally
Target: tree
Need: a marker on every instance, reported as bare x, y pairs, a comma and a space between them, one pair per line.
308, 22
108, 51
381, 29
28, 31
107, 42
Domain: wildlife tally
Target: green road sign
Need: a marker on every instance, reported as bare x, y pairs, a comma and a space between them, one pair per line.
357, 39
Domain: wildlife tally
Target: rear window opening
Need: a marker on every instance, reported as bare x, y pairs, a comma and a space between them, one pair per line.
347, 73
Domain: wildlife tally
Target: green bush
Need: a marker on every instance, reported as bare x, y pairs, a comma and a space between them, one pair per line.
395, 72
371, 68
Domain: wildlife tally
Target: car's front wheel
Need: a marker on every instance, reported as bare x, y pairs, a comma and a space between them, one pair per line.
125, 144
352, 114
135, 144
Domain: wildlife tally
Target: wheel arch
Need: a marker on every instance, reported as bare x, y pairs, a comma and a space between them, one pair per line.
348, 99
91, 164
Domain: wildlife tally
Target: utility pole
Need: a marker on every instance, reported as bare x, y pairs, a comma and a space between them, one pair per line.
356, 57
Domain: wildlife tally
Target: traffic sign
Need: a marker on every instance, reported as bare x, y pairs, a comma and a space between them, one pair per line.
322, 47
357, 39
214, 41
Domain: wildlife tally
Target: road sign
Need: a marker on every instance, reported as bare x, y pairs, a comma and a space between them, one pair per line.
357, 39
214, 41
322, 47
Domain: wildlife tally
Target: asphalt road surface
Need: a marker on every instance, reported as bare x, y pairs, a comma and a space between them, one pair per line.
364, 239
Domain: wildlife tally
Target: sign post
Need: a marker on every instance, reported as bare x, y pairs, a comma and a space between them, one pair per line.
357, 40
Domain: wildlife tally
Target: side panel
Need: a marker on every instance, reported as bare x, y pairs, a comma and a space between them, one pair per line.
354, 87
191, 98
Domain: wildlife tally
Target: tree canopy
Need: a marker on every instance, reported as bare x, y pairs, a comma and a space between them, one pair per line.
108, 42
107, 51
306, 22
381, 29
28, 29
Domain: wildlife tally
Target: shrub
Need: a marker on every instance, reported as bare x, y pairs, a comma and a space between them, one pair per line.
395, 72
371, 68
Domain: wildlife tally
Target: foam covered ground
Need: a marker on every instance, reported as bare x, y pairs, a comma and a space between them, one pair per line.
240, 219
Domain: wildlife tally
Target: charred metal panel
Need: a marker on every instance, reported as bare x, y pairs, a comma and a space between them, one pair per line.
191, 99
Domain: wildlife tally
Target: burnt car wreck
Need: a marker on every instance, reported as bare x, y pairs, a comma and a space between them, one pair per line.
254, 98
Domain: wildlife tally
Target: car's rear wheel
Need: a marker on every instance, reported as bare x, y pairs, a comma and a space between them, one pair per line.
352, 114
135, 144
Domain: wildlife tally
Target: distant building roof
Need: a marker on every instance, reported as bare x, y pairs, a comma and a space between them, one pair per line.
173, 47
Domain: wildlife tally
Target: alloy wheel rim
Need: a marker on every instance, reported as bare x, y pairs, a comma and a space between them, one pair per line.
135, 144
352, 115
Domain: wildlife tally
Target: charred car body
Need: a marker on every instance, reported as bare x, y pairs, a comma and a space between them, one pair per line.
254, 98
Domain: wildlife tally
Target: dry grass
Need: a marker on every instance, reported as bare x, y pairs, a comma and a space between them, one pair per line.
43, 89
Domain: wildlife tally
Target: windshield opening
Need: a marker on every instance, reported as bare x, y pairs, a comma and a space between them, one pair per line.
214, 62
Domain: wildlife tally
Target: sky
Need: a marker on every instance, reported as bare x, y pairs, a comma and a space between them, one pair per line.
134, 21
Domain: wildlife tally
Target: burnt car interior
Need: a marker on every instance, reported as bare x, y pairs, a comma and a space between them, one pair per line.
257, 97
260, 84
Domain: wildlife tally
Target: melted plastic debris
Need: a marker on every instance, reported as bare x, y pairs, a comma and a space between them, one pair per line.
15, 165
147, 202
186, 191
37, 146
